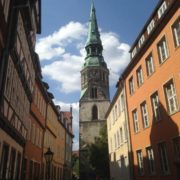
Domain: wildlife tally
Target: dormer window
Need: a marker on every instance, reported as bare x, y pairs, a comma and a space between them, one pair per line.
134, 52
150, 26
162, 9
141, 41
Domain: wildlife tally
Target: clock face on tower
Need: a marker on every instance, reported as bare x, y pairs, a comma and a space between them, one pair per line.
94, 74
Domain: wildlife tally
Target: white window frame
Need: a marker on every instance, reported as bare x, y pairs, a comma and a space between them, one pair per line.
150, 65
162, 9
140, 79
131, 86
151, 160
140, 162
135, 120
141, 41
155, 106
150, 27
176, 32
144, 113
171, 98
134, 51
163, 50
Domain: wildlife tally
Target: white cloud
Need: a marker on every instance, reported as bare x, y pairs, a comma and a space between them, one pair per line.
67, 66
116, 55
66, 71
75, 108
54, 44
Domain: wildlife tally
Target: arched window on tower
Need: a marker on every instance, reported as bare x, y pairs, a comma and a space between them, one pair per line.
94, 113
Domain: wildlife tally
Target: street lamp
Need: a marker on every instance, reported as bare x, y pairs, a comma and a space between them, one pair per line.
48, 157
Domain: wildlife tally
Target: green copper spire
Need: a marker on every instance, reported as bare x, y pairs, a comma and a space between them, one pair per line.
93, 32
93, 45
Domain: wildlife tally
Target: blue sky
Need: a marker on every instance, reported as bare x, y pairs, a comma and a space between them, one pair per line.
61, 43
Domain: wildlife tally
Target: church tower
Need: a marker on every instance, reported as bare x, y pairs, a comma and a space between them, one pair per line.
94, 98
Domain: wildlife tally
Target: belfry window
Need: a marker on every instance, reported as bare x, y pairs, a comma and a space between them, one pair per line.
93, 50
94, 113
88, 51
93, 94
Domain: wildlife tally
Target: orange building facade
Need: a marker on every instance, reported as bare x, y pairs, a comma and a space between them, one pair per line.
33, 155
152, 81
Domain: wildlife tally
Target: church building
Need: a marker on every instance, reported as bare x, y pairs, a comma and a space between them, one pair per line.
94, 99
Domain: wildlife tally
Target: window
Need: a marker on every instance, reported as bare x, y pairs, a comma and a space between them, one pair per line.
113, 116
155, 106
144, 114
115, 142
131, 86
139, 74
176, 32
141, 41
31, 170
151, 162
5, 5
12, 164
122, 102
135, 119
140, 162
119, 107
171, 98
163, 158
118, 139
134, 52
121, 135
93, 93
125, 131
18, 166
94, 113
149, 65
176, 143
150, 26
4, 160
162, 9
24, 167
115, 112
162, 50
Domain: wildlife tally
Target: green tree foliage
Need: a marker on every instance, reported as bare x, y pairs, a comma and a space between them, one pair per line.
99, 158
75, 165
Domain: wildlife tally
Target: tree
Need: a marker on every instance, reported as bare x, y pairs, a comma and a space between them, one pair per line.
75, 165
99, 158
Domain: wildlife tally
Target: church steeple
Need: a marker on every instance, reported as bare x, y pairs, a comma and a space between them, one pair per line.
93, 46
93, 32
94, 99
